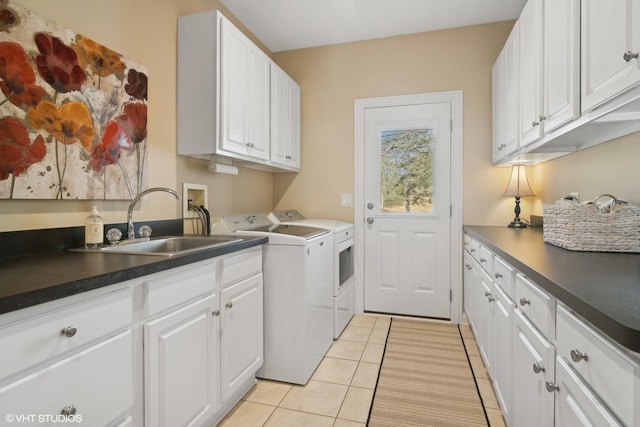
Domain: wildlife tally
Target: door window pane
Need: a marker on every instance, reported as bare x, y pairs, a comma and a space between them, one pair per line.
406, 181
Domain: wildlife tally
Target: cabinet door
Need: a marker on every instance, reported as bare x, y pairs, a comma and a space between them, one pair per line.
503, 349
259, 102
285, 119
470, 283
241, 334
484, 320
181, 365
505, 98
561, 50
576, 405
530, 69
245, 90
533, 368
610, 44
96, 383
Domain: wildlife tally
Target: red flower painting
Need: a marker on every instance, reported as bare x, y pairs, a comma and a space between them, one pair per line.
71, 104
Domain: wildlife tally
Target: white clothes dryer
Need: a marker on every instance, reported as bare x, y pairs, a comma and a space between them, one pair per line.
344, 288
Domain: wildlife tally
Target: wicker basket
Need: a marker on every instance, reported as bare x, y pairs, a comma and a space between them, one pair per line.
586, 228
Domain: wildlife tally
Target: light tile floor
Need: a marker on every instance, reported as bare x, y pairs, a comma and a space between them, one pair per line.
340, 392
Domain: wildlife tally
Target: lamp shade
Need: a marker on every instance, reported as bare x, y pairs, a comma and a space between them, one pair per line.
518, 185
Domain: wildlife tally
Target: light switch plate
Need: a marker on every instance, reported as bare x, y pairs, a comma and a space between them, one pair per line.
347, 200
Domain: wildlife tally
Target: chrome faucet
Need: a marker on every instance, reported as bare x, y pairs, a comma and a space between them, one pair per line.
131, 232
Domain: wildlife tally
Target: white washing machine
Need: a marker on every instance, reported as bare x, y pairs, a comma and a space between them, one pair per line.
344, 288
298, 283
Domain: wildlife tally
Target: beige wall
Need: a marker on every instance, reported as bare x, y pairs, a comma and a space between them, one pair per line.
145, 31
333, 77
609, 168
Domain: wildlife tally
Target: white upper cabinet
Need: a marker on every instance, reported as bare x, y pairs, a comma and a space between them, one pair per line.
610, 46
548, 60
561, 62
285, 120
578, 78
505, 98
225, 104
530, 73
245, 103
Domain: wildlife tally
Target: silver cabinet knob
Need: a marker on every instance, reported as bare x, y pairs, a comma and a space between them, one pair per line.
550, 386
502, 147
370, 220
215, 313
472, 250
577, 355
628, 56
537, 367
229, 304
490, 298
369, 205
535, 123
69, 331
483, 260
524, 301
467, 266
497, 275
487, 293
69, 410
542, 118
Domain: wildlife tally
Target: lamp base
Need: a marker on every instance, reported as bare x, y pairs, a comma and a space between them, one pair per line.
517, 224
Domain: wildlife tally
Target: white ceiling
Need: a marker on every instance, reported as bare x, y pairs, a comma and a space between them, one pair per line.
295, 24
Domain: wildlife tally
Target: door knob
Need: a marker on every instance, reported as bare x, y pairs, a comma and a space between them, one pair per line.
370, 205
370, 220
628, 56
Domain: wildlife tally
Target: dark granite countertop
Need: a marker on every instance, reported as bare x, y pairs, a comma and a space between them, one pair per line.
603, 288
37, 278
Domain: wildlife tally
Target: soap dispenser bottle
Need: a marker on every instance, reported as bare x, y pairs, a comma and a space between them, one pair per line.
93, 230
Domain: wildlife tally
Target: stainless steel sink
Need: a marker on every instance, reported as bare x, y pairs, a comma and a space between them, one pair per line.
165, 246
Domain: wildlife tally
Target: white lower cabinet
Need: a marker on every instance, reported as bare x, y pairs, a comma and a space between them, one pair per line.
502, 349
92, 387
600, 366
548, 366
202, 340
175, 348
484, 321
533, 375
576, 405
242, 337
181, 366
69, 363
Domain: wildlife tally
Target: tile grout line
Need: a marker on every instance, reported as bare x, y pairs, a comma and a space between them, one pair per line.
464, 345
384, 350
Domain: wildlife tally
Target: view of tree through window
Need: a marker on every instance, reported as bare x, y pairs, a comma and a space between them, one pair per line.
407, 170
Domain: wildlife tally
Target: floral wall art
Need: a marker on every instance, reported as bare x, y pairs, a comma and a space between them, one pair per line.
73, 114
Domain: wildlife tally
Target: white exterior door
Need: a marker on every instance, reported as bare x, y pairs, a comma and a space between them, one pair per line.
407, 198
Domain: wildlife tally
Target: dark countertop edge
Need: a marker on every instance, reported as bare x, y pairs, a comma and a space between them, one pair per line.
148, 264
627, 336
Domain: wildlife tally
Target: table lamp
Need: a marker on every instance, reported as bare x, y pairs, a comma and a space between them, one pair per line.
518, 187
